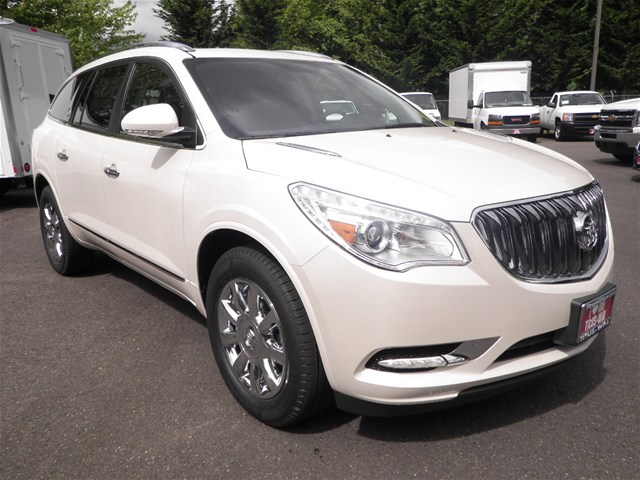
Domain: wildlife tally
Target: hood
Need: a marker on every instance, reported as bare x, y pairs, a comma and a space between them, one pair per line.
631, 103
583, 108
441, 171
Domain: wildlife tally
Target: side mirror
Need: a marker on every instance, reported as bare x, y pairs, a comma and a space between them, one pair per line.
157, 121
470, 104
551, 105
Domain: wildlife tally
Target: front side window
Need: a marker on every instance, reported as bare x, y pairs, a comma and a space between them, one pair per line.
95, 109
265, 98
150, 85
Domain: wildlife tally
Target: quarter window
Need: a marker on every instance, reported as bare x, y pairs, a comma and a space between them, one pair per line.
63, 104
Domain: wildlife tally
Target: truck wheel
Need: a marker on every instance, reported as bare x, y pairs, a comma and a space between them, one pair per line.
66, 256
622, 157
557, 132
532, 138
262, 339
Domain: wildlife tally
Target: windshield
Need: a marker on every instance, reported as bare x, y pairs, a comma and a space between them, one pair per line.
423, 100
507, 99
582, 99
266, 98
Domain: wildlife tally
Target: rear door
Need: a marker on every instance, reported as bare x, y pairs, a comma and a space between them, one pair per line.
87, 106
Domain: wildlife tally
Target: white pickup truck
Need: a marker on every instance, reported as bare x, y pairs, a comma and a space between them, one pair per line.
571, 113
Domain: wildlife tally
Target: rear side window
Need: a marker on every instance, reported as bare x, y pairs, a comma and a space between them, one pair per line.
63, 104
95, 109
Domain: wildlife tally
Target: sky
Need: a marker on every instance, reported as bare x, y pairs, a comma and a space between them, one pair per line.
146, 21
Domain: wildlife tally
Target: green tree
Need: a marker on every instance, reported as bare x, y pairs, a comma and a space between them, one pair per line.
349, 30
198, 23
94, 27
256, 23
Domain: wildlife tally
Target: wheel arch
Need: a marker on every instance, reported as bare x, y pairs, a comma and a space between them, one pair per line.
39, 184
214, 245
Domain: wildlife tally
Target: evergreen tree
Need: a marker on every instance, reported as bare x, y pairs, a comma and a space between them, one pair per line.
198, 23
255, 23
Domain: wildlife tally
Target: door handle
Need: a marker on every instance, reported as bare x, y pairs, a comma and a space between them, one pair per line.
63, 156
112, 171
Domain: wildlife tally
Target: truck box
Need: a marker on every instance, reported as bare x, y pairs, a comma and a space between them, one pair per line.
494, 96
466, 83
33, 65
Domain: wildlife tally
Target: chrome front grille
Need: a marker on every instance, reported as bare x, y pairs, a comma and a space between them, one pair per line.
561, 238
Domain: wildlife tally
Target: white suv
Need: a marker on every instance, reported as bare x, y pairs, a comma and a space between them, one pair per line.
376, 259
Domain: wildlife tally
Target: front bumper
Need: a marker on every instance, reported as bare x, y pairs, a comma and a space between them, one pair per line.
617, 142
577, 129
516, 131
358, 310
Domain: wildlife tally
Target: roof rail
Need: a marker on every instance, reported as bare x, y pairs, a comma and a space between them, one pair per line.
305, 52
160, 43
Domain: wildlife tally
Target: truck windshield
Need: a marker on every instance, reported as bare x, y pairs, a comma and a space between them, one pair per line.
507, 99
267, 98
423, 100
582, 99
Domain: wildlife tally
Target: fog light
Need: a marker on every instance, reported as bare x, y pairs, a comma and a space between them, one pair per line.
422, 363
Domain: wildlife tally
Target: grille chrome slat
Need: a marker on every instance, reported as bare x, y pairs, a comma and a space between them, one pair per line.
536, 240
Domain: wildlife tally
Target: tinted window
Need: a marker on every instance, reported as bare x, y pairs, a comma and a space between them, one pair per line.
66, 98
95, 108
257, 98
150, 85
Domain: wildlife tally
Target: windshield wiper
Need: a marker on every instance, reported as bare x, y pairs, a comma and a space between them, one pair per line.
407, 125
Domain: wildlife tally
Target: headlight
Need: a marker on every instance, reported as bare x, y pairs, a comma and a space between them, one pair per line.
385, 236
567, 117
495, 120
535, 119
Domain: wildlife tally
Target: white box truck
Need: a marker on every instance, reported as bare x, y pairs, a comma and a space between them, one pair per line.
33, 65
494, 96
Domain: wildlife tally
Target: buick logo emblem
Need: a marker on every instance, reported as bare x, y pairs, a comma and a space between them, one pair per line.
586, 230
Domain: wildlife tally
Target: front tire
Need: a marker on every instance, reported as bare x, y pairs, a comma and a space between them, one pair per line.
557, 132
65, 255
262, 339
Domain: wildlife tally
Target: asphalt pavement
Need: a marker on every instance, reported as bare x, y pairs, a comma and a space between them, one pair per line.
108, 376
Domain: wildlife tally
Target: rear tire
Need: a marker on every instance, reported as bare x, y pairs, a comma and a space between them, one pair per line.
262, 339
65, 255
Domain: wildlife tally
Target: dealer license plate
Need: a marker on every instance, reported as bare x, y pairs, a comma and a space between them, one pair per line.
595, 315
589, 315
515, 132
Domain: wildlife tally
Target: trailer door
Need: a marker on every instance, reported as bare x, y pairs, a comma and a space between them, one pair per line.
39, 66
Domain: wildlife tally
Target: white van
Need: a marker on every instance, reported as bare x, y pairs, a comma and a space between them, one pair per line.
425, 101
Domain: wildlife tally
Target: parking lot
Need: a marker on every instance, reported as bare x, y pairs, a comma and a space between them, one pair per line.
109, 376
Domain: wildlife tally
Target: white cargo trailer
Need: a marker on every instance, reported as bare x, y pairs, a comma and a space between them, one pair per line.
33, 65
494, 96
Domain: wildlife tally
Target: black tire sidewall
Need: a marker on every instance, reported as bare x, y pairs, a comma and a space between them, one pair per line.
58, 264
295, 400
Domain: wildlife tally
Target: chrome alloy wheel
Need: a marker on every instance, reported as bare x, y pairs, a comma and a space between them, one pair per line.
53, 231
251, 335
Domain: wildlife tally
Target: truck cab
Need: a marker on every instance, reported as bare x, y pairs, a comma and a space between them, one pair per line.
574, 113
510, 112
